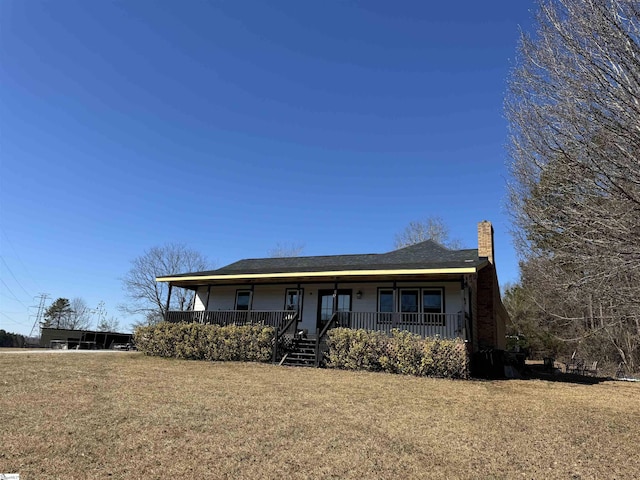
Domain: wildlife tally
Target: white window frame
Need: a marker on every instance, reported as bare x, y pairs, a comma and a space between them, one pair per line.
300, 292
243, 291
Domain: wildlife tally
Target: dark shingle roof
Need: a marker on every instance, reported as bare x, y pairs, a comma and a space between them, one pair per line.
428, 254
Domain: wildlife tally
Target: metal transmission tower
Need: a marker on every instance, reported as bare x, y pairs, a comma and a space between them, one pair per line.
39, 315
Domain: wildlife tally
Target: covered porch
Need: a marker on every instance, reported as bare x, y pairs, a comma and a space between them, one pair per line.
427, 303
304, 306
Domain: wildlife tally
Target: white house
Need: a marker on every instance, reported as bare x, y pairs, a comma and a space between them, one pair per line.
424, 288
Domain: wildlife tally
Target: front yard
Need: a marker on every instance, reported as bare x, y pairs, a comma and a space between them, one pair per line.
125, 415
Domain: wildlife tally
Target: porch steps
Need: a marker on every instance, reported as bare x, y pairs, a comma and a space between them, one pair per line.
303, 354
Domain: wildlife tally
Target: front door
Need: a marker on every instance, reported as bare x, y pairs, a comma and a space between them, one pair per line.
325, 305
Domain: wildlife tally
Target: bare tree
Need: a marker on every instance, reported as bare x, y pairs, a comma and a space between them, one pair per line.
148, 297
574, 107
105, 323
80, 317
286, 250
431, 228
110, 324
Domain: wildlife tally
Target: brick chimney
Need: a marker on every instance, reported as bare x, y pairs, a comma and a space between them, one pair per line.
485, 240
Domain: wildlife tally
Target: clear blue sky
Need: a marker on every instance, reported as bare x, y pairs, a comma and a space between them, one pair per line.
234, 125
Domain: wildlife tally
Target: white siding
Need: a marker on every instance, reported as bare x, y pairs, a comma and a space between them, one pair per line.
223, 298
201, 298
269, 297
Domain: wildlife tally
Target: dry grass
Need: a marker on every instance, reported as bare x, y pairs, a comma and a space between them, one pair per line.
129, 416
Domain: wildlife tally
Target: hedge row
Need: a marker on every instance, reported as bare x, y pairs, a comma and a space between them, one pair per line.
403, 352
192, 341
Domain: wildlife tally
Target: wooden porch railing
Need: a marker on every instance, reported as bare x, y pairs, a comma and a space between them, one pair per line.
284, 321
275, 318
332, 323
445, 325
290, 327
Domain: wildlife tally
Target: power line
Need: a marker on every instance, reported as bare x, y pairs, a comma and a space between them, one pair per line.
14, 277
6, 296
14, 295
11, 319
35, 282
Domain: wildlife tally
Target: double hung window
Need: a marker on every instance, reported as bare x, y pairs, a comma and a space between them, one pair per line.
292, 299
417, 305
243, 299
385, 305
432, 307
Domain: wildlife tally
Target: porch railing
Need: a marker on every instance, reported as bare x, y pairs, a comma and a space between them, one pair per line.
274, 318
290, 328
284, 321
320, 337
445, 325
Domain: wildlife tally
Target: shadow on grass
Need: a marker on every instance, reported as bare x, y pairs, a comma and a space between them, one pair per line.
533, 373
539, 372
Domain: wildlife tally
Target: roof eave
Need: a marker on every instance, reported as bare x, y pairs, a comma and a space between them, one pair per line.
319, 276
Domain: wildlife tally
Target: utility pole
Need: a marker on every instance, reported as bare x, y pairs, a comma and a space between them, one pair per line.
43, 299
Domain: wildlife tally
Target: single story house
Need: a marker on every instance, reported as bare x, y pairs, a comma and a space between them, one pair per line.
424, 288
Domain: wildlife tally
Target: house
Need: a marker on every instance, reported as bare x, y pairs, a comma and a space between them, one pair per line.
424, 288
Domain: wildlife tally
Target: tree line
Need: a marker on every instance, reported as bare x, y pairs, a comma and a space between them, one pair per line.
75, 314
573, 107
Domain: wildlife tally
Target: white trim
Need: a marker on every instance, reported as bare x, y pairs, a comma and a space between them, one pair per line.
330, 273
242, 291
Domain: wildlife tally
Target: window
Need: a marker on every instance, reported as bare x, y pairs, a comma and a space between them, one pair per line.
344, 300
418, 305
293, 299
431, 301
243, 299
432, 307
386, 305
385, 301
409, 301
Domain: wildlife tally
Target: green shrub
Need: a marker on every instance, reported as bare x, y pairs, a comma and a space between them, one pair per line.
402, 352
192, 341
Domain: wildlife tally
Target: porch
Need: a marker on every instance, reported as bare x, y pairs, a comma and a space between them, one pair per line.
309, 349
443, 325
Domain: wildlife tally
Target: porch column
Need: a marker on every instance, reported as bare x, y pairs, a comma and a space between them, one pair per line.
166, 310
250, 307
192, 302
206, 305
461, 327
467, 319
394, 316
335, 299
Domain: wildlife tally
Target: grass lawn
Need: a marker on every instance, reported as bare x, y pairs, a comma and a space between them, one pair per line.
105, 415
